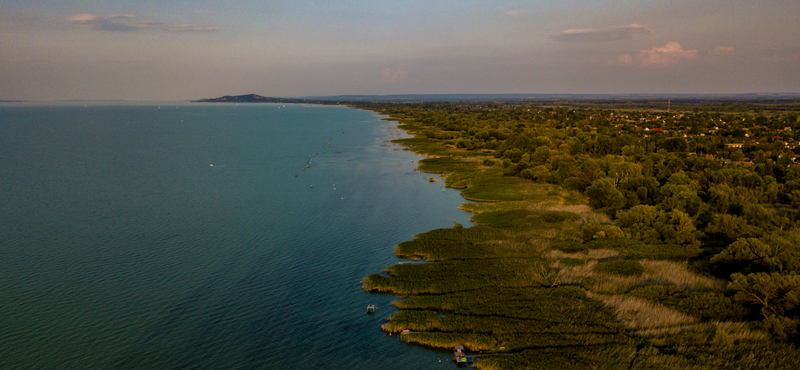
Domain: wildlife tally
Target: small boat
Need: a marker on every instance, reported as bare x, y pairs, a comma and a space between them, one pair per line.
371, 308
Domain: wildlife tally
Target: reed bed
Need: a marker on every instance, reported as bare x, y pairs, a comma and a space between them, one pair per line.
734, 331
678, 274
655, 273
639, 313
594, 254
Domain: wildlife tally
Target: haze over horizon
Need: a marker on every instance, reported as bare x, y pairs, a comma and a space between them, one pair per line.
182, 50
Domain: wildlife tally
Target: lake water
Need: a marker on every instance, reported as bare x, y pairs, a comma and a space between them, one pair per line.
192, 236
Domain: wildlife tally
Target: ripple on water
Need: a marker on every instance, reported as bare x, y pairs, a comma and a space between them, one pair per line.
122, 249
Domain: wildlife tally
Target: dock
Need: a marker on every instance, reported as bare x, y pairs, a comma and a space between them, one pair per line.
459, 356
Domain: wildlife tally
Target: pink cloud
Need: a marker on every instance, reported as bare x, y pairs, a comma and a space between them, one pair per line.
394, 75
625, 59
102, 22
600, 34
121, 22
669, 54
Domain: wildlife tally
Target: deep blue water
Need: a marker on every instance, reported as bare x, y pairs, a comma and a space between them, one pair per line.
178, 236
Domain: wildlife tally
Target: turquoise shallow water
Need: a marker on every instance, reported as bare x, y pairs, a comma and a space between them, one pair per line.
122, 247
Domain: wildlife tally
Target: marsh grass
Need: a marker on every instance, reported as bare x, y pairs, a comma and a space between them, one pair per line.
708, 305
472, 342
655, 273
734, 331
639, 313
594, 254
515, 318
526, 219
678, 274
578, 357
490, 185
619, 267
445, 165
424, 146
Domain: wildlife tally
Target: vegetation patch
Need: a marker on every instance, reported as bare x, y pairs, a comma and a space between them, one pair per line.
570, 246
636, 249
520, 218
640, 313
670, 190
708, 305
445, 165
572, 261
620, 267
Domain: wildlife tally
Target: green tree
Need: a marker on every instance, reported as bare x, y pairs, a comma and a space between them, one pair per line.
731, 228
654, 226
777, 295
541, 155
603, 193
620, 170
771, 253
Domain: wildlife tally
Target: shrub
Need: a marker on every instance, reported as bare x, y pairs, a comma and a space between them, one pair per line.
570, 246
620, 267
595, 230
527, 174
559, 216
575, 183
572, 262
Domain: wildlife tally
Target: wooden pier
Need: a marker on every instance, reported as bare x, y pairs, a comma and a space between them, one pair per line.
459, 356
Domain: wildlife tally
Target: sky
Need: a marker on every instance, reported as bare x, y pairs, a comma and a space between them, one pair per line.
182, 49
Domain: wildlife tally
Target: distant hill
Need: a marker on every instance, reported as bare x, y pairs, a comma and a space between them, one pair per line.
250, 98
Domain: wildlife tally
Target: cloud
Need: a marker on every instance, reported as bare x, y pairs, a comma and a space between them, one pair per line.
783, 55
121, 22
723, 50
191, 28
116, 16
101, 22
625, 59
669, 54
600, 34
395, 75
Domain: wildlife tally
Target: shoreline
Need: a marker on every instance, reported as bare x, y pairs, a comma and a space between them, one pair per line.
409, 328
531, 229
